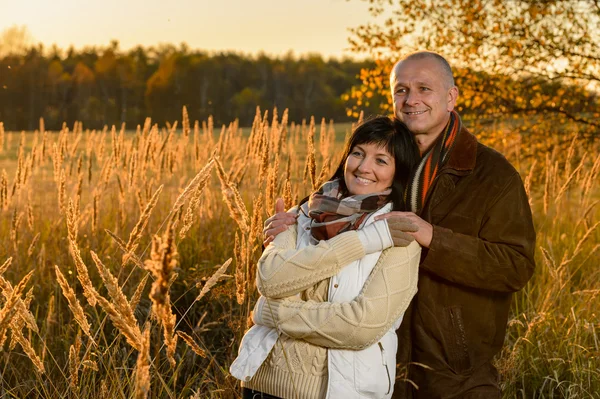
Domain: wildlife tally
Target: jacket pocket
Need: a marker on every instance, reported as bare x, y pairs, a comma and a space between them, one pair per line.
457, 346
387, 368
371, 372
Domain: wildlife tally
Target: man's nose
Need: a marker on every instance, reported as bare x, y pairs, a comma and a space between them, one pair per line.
411, 98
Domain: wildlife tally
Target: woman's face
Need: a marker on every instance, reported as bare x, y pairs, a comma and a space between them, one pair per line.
369, 169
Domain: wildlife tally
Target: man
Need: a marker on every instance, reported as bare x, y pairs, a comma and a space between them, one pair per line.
476, 230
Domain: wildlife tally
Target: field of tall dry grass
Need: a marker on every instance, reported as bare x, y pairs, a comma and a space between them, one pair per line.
127, 258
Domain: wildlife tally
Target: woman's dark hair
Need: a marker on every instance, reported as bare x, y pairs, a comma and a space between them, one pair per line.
395, 137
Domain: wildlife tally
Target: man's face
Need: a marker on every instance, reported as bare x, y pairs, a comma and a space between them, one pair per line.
422, 97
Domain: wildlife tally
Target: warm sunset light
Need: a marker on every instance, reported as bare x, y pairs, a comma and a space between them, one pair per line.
274, 27
299, 199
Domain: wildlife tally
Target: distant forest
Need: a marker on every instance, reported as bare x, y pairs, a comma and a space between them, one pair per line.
106, 86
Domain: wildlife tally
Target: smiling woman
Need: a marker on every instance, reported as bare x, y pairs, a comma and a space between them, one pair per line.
321, 278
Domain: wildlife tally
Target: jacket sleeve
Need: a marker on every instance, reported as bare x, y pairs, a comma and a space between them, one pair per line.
500, 257
284, 270
356, 324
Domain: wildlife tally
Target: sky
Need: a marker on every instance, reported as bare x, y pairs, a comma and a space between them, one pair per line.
247, 26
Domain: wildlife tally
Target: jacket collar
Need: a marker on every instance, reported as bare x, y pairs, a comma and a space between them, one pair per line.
463, 155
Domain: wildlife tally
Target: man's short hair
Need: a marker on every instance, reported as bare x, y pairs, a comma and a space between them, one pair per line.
419, 55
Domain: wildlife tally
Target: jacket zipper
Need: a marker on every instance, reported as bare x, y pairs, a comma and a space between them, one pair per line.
384, 362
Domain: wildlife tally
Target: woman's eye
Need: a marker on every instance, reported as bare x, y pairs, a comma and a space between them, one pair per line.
382, 161
356, 153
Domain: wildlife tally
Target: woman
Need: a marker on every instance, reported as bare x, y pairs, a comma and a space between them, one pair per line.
337, 283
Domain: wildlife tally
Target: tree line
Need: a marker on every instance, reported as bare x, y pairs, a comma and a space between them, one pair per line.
105, 86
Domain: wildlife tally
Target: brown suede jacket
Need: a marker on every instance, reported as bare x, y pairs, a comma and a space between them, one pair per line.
481, 252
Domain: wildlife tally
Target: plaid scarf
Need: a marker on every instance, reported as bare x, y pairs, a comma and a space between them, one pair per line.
332, 215
431, 163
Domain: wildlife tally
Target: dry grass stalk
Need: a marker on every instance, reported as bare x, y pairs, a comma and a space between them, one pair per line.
30, 217
196, 185
32, 245
74, 304
10, 308
14, 229
24, 313
565, 186
214, 279
4, 191
311, 163
61, 192
527, 183
5, 265
121, 244
241, 268
90, 364
324, 174
257, 222
138, 229
131, 332
193, 204
119, 300
287, 194
56, 162
50, 314
74, 364
192, 344
271, 189
547, 183
18, 322
82, 271
132, 170
570, 153
18, 337
265, 146
586, 236
163, 259
137, 295
95, 206
590, 180
2, 137
233, 200
142, 373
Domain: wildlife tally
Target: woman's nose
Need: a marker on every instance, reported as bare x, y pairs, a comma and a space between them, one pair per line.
364, 165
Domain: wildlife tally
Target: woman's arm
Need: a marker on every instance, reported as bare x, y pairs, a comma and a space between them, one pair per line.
356, 324
284, 271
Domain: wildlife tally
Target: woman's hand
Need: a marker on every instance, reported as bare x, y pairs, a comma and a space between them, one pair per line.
278, 223
406, 225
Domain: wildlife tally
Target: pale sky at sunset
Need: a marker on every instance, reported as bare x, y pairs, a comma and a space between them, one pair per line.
247, 26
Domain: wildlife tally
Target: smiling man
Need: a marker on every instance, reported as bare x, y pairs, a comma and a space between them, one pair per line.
476, 230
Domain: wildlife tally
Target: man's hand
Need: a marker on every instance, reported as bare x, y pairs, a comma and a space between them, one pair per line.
278, 223
410, 224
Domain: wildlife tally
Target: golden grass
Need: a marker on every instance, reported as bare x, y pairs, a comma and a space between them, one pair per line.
183, 204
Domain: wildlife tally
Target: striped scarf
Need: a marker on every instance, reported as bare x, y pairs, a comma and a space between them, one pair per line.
431, 163
332, 215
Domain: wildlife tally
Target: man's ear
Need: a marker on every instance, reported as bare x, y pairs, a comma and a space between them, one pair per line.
452, 98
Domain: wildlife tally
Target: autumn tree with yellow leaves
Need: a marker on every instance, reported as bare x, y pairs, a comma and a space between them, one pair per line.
531, 62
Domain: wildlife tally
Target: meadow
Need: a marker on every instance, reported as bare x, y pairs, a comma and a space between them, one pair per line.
128, 257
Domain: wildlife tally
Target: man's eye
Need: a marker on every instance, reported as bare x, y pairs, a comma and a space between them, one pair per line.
425, 88
400, 91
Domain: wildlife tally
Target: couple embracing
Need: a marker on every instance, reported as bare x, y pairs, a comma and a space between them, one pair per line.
408, 255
